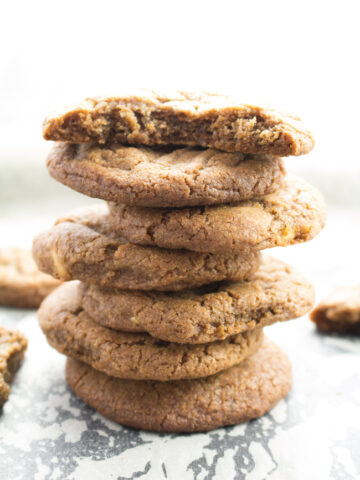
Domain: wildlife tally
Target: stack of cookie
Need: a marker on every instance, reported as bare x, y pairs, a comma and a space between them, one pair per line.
162, 319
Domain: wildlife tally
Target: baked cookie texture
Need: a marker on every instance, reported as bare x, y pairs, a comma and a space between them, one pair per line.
83, 247
181, 118
166, 291
165, 177
134, 355
276, 292
339, 311
295, 213
22, 285
12, 350
235, 395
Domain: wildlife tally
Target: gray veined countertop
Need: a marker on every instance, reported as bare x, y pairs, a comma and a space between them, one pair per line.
46, 433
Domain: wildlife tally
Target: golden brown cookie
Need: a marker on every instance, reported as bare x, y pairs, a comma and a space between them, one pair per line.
138, 356
166, 177
12, 350
181, 118
22, 285
82, 247
235, 395
276, 292
295, 213
339, 311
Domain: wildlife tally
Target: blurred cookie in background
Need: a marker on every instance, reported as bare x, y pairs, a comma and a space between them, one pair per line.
339, 311
22, 285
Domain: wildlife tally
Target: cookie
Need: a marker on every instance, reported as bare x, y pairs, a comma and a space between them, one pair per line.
235, 395
293, 214
339, 311
165, 177
12, 350
22, 285
138, 356
82, 247
276, 292
181, 118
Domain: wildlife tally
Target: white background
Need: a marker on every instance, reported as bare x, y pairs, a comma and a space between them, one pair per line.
299, 55
302, 56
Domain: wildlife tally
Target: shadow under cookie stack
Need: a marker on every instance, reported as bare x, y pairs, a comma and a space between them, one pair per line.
166, 291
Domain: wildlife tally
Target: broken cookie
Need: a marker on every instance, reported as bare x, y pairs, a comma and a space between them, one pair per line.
12, 349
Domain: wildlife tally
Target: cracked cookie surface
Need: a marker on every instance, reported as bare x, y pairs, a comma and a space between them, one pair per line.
181, 118
83, 247
276, 292
12, 350
339, 311
164, 177
137, 356
22, 285
235, 395
295, 213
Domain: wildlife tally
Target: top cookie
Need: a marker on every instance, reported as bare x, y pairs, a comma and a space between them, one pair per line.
193, 119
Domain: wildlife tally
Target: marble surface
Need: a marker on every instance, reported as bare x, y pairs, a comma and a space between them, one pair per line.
47, 433
314, 433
